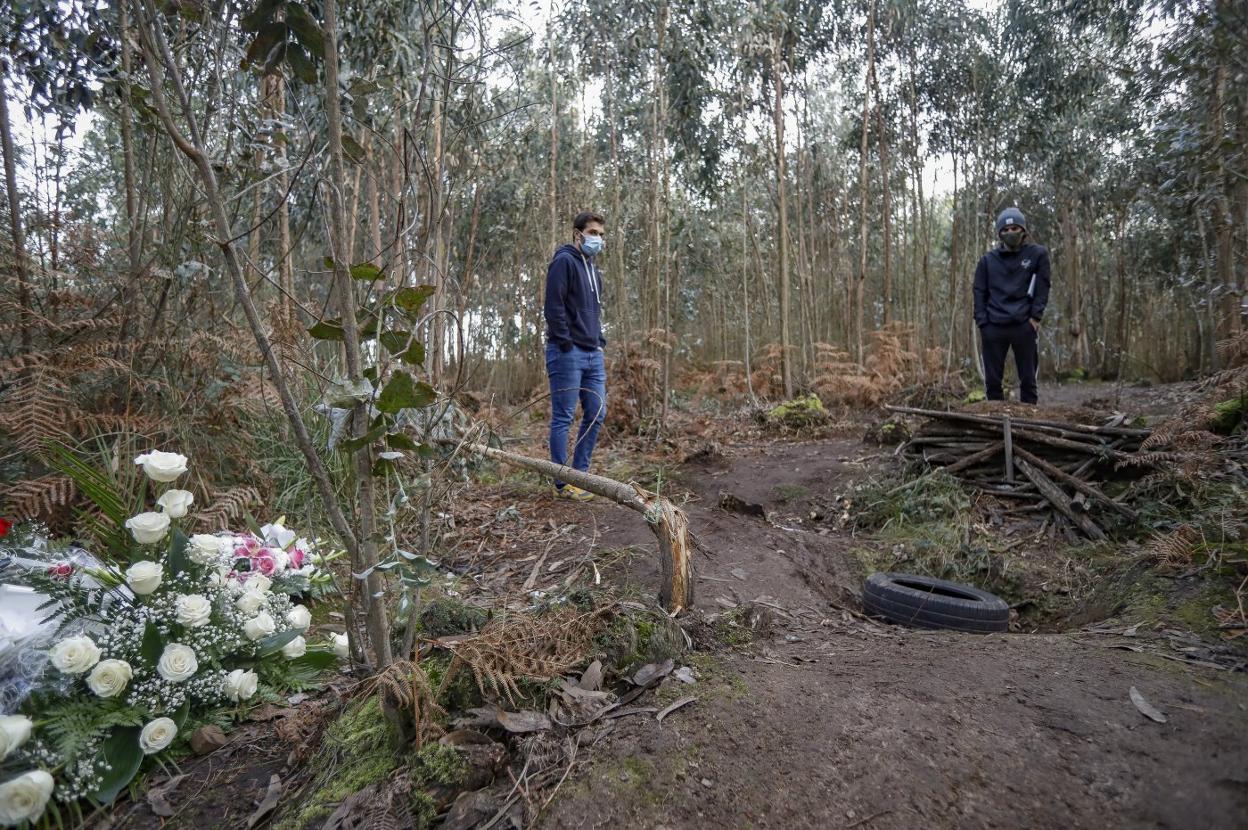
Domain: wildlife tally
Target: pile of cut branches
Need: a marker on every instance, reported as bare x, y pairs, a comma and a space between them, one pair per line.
1040, 465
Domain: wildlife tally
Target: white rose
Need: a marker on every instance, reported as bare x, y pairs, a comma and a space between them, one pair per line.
75, 655
162, 466
299, 617
144, 577
249, 602
342, 647
148, 528
261, 625
157, 735
109, 677
175, 503
258, 582
194, 610
24, 797
239, 685
177, 663
14, 730
204, 548
295, 648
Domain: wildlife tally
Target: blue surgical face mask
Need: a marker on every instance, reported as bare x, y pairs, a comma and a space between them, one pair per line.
591, 245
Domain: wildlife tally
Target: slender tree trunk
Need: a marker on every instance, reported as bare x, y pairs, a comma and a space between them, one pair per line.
745, 287
886, 203
133, 229
782, 254
554, 130
16, 235
285, 254
861, 280
374, 595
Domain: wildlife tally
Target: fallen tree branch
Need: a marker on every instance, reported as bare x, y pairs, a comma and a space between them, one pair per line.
668, 522
1059, 499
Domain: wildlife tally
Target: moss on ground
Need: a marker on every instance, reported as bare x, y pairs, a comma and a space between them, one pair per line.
445, 616
437, 764
356, 752
636, 638
803, 411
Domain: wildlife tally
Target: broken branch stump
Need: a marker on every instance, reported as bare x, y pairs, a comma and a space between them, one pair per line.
667, 521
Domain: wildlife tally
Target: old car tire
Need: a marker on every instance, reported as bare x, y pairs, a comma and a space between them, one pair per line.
925, 602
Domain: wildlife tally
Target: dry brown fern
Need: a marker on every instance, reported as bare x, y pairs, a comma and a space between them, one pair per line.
36, 412
39, 498
226, 506
524, 646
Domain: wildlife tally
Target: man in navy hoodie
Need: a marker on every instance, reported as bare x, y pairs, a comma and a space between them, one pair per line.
1011, 291
574, 347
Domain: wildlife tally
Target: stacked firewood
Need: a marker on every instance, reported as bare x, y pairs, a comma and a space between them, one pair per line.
1037, 464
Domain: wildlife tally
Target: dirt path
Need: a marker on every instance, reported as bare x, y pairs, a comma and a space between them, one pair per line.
835, 721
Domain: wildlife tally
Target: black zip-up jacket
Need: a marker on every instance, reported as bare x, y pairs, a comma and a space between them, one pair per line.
573, 301
1012, 286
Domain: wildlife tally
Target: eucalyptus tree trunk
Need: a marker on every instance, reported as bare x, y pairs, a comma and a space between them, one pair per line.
861, 278
129, 181
17, 236
373, 598
553, 240
886, 205
782, 253
285, 264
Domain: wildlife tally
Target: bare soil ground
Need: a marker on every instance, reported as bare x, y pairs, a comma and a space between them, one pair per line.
831, 720
816, 716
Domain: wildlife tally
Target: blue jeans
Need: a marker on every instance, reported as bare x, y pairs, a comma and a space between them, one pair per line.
575, 375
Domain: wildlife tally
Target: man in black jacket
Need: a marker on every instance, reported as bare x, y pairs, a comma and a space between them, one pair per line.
1011, 291
574, 347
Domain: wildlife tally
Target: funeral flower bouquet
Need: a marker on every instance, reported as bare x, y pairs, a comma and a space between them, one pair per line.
147, 647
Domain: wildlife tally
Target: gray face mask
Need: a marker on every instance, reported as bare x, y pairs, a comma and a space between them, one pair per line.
1013, 239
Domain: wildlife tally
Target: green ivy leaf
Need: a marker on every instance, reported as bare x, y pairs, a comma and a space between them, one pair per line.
365, 271
327, 330
411, 299
122, 759
403, 392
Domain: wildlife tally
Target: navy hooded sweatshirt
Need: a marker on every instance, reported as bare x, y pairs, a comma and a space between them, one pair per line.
1011, 287
573, 301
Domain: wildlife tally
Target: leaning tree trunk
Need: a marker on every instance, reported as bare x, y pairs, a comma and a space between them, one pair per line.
667, 521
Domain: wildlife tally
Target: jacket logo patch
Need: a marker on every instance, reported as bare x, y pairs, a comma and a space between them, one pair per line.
1026, 263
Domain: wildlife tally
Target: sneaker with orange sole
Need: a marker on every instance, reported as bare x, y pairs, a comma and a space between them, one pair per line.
570, 491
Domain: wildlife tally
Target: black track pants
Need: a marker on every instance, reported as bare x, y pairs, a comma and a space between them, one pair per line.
997, 340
